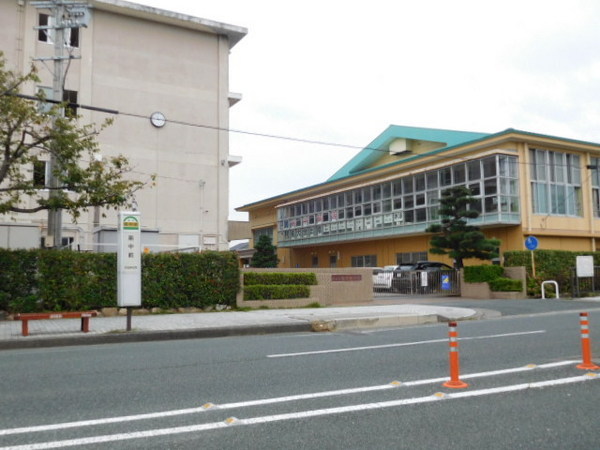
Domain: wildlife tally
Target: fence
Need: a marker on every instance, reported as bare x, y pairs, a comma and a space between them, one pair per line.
418, 282
585, 286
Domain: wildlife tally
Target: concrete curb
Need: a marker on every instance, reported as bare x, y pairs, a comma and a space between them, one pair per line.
373, 322
147, 336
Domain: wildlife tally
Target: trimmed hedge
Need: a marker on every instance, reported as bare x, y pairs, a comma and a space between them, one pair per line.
505, 285
275, 292
483, 273
48, 280
549, 265
270, 278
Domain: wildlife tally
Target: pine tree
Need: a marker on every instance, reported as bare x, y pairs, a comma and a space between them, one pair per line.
266, 253
456, 238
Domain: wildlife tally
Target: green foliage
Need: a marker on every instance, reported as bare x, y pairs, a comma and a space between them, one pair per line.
305, 278
18, 271
455, 238
29, 135
189, 279
483, 273
554, 265
505, 285
48, 280
266, 253
275, 292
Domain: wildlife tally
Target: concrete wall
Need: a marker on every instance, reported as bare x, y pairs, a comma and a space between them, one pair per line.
334, 287
483, 291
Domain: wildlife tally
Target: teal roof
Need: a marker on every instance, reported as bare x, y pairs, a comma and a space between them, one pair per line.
370, 154
362, 162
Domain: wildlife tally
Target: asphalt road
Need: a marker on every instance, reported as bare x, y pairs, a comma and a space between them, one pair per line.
311, 391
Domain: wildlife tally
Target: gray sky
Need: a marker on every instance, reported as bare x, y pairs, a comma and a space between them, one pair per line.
342, 71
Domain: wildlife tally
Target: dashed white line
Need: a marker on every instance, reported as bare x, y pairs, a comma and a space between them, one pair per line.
266, 401
402, 344
300, 415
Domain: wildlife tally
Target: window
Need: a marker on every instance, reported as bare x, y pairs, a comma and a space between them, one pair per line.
40, 174
256, 234
556, 183
595, 168
69, 97
410, 258
414, 199
364, 261
47, 33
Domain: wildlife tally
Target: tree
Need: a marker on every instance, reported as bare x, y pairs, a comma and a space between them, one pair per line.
266, 253
456, 238
30, 135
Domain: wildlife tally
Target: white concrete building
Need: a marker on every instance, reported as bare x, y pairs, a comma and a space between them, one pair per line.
138, 61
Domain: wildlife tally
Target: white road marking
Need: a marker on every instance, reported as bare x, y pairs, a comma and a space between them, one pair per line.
266, 401
403, 344
299, 415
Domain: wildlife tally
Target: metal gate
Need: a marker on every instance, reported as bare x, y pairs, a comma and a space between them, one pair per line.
585, 286
419, 282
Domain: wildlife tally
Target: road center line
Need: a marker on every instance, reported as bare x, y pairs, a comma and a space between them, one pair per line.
403, 344
266, 401
300, 414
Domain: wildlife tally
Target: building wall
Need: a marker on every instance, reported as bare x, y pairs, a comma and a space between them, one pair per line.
139, 66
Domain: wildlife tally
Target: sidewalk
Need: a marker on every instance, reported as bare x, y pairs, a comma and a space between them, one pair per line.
103, 330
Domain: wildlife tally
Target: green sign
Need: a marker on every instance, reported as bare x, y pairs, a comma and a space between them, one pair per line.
131, 223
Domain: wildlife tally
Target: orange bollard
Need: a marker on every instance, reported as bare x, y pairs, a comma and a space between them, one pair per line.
586, 346
454, 381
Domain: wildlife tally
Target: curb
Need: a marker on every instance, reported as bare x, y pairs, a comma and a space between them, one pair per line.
373, 322
148, 336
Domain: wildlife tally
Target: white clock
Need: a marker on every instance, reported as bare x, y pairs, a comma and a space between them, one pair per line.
158, 119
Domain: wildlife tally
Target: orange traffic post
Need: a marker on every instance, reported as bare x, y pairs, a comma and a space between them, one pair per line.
586, 346
454, 381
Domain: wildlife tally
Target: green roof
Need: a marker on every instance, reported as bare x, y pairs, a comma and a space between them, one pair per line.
370, 154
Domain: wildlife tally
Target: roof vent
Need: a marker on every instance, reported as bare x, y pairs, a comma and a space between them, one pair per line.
400, 146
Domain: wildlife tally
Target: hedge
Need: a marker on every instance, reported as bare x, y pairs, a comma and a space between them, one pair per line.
49, 280
549, 265
502, 284
275, 292
270, 278
483, 273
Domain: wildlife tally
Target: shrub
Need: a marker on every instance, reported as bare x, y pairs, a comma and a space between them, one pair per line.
275, 292
505, 285
50, 280
483, 273
301, 278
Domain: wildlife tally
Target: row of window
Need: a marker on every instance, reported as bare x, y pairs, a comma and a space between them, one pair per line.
404, 258
555, 183
407, 200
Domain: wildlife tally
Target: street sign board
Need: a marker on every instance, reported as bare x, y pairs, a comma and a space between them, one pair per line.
531, 243
129, 260
585, 266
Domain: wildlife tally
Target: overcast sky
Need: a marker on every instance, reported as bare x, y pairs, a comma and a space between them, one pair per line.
342, 71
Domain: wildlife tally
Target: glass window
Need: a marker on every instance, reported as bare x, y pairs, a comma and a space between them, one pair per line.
387, 190
474, 169
376, 192
458, 173
432, 179
420, 182
397, 188
445, 176
407, 185
489, 167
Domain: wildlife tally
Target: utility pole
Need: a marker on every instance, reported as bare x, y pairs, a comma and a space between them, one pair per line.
65, 15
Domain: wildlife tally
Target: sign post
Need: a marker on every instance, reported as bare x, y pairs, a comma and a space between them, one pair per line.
532, 243
129, 263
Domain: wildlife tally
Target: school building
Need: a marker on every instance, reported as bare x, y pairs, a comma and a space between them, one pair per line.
374, 210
